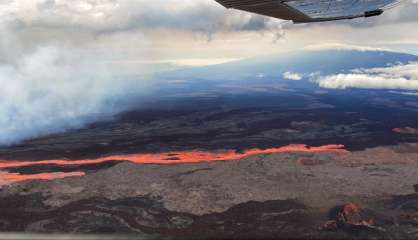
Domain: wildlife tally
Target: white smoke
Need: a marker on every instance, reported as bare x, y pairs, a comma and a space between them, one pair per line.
61, 60
53, 89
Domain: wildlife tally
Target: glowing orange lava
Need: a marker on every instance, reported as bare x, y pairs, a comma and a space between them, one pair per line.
8, 178
179, 157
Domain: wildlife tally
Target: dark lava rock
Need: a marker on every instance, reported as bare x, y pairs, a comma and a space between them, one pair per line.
281, 219
100, 215
405, 211
397, 219
145, 216
407, 208
356, 221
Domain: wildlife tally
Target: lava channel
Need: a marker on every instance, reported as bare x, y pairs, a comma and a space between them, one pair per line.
167, 158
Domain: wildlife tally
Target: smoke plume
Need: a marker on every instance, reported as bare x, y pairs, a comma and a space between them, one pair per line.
52, 89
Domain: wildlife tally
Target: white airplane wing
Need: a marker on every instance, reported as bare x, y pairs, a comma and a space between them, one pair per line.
301, 11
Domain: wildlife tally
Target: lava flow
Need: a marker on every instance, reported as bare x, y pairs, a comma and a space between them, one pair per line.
168, 158
8, 178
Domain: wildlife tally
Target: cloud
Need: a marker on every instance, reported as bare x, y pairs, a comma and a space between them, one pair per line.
399, 77
344, 46
104, 16
292, 76
102, 24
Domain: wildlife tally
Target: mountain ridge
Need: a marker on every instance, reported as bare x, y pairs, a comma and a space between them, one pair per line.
302, 61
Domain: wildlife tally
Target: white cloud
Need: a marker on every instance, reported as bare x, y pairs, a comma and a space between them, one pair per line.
399, 77
124, 15
197, 62
292, 76
343, 46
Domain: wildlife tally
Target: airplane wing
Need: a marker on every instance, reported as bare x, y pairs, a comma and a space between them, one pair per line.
302, 11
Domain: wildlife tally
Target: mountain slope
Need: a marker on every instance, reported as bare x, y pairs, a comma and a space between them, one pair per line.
324, 61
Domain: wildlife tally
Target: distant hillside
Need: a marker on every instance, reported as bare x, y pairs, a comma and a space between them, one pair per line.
324, 61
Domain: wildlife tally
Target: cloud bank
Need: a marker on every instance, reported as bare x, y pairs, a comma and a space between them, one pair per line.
107, 16
399, 77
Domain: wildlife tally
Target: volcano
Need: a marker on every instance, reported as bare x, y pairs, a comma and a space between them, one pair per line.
255, 148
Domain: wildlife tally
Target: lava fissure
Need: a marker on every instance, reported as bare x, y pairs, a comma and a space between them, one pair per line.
181, 157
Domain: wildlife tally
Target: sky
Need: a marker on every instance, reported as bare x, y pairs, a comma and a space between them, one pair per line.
63, 63
131, 33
